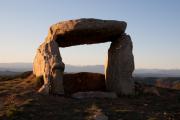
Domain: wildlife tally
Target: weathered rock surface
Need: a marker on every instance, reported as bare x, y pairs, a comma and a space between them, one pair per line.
120, 66
83, 82
94, 94
85, 31
48, 63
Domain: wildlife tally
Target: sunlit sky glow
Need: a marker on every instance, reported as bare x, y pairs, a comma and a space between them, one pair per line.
154, 26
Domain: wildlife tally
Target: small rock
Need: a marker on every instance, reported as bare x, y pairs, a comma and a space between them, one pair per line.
92, 94
100, 116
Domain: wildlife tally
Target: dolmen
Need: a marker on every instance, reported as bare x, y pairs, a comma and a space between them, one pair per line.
118, 68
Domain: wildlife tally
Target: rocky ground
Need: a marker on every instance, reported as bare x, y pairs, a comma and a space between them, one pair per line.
19, 101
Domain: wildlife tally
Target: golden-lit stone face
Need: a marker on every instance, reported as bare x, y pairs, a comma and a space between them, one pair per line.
85, 31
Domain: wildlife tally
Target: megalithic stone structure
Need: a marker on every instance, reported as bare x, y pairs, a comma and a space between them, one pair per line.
48, 62
120, 66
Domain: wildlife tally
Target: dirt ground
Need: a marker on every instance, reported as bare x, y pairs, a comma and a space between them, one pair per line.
20, 101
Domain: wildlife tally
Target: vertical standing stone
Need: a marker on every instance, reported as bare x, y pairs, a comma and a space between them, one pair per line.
48, 63
120, 66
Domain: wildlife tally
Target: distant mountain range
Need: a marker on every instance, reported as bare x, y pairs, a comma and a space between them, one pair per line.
157, 72
15, 68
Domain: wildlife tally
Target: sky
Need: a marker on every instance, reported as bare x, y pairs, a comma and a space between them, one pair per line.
154, 26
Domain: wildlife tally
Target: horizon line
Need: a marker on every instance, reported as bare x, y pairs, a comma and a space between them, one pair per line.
91, 65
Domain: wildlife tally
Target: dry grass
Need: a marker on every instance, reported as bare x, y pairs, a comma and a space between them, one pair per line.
21, 102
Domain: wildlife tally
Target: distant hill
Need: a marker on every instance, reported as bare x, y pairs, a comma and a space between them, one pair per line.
15, 67
157, 73
88, 68
164, 82
21, 67
7, 73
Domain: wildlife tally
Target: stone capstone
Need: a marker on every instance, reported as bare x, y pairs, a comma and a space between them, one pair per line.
120, 66
48, 63
85, 31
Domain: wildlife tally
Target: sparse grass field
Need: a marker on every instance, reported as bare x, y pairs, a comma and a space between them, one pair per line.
19, 101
